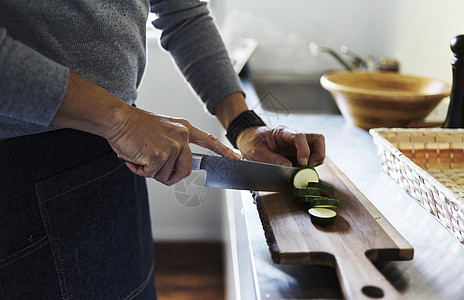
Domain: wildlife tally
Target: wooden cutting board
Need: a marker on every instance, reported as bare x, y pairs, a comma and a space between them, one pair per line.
359, 235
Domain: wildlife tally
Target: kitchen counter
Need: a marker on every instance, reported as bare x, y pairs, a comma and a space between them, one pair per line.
436, 272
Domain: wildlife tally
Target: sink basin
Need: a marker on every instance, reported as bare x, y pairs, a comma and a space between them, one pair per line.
294, 94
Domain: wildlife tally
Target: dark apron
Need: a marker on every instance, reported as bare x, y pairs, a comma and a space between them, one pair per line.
74, 221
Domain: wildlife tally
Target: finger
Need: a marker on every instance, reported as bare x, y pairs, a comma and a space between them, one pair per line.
140, 166
297, 140
209, 141
302, 148
317, 142
167, 169
136, 169
145, 170
183, 166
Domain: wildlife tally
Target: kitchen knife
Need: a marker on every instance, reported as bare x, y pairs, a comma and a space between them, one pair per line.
227, 173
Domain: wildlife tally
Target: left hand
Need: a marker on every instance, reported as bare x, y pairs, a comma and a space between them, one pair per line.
273, 145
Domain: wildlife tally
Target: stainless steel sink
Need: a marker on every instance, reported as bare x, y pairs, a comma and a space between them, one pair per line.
293, 94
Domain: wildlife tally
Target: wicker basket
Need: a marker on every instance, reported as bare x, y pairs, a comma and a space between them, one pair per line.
429, 164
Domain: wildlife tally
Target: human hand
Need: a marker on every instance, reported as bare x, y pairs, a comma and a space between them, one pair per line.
152, 145
273, 145
157, 146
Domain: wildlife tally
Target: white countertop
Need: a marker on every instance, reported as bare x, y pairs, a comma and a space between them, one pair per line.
436, 272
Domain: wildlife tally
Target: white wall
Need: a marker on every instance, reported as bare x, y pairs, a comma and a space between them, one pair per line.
284, 30
417, 32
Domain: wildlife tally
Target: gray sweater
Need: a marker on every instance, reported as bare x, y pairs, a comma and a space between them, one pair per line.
103, 41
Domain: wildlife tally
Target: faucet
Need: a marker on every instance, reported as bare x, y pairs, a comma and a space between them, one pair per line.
356, 62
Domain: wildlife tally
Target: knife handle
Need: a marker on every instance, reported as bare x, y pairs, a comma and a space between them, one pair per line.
196, 161
195, 164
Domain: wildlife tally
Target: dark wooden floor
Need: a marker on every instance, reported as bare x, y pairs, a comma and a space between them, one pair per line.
189, 271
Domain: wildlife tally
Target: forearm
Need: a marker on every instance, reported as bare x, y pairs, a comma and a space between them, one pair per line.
229, 108
152, 145
89, 108
191, 36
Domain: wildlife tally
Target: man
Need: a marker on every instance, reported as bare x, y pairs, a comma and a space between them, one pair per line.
74, 219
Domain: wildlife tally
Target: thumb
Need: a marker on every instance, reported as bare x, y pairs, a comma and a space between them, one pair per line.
209, 141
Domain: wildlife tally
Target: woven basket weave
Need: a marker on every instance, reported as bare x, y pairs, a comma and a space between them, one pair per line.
429, 164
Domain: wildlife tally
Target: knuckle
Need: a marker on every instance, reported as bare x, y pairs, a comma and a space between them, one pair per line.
161, 156
253, 155
172, 147
161, 178
186, 172
212, 137
183, 122
317, 141
300, 136
276, 161
184, 133
170, 182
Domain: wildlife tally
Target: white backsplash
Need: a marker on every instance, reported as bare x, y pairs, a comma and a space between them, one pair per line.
416, 32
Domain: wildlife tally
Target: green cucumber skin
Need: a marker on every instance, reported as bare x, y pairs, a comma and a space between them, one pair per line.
318, 195
325, 187
311, 191
322, 221
307, 192
309, 198
326, 203
320, 201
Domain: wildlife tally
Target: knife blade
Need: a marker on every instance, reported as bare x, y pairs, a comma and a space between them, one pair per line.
227, 173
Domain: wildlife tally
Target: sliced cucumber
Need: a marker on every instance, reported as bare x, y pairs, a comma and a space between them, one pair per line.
328, 189
309, 189
309, 198
307, 192
314, 189
324, 202
320, 201
305, 175
322, 216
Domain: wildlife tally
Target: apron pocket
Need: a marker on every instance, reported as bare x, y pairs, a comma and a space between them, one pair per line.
97, 230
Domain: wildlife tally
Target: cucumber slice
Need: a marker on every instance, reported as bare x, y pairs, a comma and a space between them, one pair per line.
322, 216
309, 198
328, 189
305, 175
324, 202
307, 192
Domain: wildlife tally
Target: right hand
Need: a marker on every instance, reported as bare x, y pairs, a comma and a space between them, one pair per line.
153, 145
157, 146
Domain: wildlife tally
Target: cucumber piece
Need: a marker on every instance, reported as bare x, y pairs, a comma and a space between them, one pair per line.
322, 216
305, 175
328, 189
307, 192
324, 202
309, 198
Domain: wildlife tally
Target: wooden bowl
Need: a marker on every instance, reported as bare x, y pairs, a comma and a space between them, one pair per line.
384, 99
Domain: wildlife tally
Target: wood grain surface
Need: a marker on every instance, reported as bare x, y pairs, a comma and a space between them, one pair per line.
359, 235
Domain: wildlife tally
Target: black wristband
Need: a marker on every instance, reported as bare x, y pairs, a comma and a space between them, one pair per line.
243, 121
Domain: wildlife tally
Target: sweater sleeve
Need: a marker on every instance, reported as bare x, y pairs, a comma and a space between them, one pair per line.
191, 36
31, 85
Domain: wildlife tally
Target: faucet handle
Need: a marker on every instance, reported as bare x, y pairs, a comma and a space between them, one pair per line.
357, 60
315, 50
